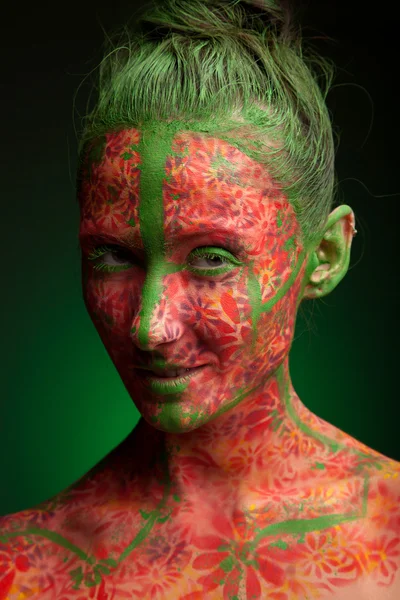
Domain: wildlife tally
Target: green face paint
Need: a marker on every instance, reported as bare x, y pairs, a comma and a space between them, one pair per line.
208, 277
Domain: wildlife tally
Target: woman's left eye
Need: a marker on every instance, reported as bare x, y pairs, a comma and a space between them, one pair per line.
211, 260
215, 260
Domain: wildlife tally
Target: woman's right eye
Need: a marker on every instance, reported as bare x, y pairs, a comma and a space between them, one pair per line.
122, 257
118, 254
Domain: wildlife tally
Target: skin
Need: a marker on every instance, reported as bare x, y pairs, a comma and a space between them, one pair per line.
229, 487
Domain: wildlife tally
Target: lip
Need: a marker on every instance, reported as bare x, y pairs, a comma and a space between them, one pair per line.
170, 366
168, 385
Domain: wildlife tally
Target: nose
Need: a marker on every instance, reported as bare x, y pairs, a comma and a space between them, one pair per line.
157, 322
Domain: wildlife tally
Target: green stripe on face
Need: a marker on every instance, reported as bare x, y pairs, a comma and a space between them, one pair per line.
154, 147
254, 289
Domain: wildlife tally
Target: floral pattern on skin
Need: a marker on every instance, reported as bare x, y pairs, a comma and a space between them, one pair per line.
133, 529
195, 306
290, 567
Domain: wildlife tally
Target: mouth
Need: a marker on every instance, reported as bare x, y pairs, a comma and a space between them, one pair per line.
165, 381
158, 373
166, 373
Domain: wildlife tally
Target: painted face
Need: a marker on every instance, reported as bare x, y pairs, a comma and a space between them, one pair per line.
191, 257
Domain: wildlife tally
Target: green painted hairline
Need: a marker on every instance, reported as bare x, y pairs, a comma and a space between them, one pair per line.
232, 70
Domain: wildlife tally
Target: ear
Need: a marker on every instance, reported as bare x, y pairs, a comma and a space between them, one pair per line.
329, 259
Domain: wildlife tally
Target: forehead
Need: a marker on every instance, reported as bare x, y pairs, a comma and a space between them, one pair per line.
186, 179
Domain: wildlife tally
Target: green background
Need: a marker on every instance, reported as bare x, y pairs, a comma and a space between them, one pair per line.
63, 406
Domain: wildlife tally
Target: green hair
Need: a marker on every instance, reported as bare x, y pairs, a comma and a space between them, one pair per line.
236, 70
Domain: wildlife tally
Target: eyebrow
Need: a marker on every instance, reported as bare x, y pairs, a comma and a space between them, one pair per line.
226, 234
102, 237
228, 237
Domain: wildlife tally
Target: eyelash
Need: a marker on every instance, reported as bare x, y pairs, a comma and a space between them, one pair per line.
201, 252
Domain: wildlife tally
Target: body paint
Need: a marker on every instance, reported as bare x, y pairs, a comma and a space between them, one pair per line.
266, 500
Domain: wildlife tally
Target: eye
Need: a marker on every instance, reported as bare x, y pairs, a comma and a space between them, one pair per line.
209, 259
215, 261
120, 259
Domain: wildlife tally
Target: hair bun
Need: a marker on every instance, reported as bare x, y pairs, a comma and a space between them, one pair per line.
199, 18
265, 5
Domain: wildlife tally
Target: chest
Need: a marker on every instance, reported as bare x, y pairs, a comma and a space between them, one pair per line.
163, 547
191, 553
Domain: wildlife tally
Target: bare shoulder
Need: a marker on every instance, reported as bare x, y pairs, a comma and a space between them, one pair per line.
346, 456
370, 482
66, 543
379, 483
382, 521
19, 529
21, 543
93, 488
383, 503
43, 548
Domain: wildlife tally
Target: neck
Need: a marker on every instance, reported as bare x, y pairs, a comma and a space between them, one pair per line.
262, 439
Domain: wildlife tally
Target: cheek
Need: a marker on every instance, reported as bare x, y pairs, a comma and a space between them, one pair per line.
111, 300
213, 313
224, 317
271, 323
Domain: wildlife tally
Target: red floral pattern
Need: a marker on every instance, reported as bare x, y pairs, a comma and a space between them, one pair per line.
255, 497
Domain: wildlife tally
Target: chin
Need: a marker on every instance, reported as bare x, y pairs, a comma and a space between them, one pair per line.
170, 417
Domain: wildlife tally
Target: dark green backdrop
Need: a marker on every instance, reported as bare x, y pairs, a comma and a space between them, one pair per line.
63, 406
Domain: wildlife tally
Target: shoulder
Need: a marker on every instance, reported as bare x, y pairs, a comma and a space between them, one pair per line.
43, 547
348, 457
382, 530
378, 479
370, 484
20, 548
67, 543
383, 501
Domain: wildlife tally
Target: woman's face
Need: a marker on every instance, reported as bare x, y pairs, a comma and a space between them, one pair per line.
198, 263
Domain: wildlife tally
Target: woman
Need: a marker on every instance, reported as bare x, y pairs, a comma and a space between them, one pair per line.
206, 187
